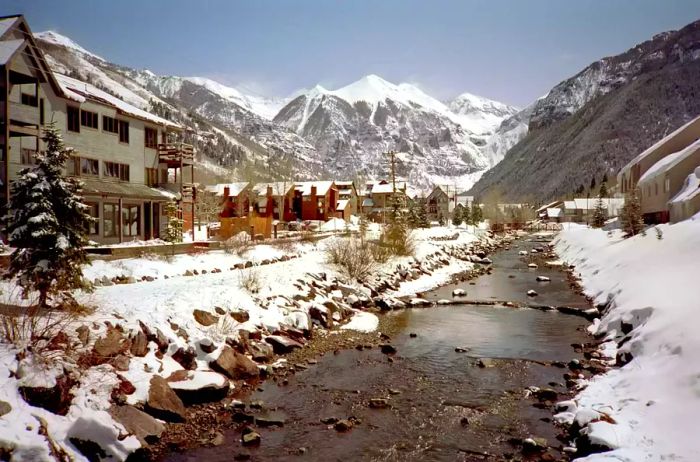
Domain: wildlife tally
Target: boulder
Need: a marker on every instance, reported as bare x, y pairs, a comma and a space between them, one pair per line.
163, 403
250, 437
261, 352
187, 358
387, 349
281, 344
343, 425
196, 387
138, 423
459, 293
111, 344
240, 315
532, 265
378, 403
5, 408
543, 279
532, 293
139, 344
206, 345
234, 365
83, 334
56, 399
205, 318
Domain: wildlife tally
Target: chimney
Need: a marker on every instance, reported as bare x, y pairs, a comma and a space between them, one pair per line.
313, 191
227, 192
269, 191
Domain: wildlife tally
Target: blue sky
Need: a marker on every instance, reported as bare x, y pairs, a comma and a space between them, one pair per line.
512, 51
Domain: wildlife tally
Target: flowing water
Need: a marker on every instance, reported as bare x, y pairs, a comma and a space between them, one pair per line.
443, 404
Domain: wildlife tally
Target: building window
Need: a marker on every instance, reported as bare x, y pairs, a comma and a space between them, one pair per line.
42, 118
27, 156
29, 99
73, 119
89, 167
152, 176
110, 219
109, 124
656, 189
93, 210
88, 119
123, 131
667, 185
130, 220
116, 170
150, 137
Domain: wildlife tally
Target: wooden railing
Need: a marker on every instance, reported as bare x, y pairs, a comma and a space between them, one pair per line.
176, 152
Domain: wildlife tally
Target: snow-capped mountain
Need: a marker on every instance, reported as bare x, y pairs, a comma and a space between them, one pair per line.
481, 115
352, 127
336, 133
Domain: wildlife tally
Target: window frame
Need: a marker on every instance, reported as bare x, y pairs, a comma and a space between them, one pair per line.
110, 125
123, 134
82, 171
114, 219
150, 134
93, 228
29, 99
89, 119
128, 220
32, 156
73, 118
116, 170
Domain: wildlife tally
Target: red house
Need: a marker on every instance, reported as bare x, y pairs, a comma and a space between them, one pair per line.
235, 198
315, 200
274, 200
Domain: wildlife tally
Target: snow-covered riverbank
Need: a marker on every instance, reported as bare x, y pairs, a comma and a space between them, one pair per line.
193, 329
650, 287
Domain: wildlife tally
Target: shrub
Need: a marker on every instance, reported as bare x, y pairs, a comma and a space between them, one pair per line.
238, 244
352, 258
249, 279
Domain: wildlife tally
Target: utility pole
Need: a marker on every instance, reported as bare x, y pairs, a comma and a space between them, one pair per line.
392, 156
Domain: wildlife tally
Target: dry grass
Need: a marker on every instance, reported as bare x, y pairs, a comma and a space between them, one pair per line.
249, 279
352, 257
238, 244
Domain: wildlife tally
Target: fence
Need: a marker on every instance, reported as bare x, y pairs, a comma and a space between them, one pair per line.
232, 226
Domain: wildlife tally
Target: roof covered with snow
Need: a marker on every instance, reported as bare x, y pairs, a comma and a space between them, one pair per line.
554, 212
691, 187
342, 203
234, 189
279, 188
322, 187
81, 91
612, 204
387, 188
668, 162
8, 48
7, 23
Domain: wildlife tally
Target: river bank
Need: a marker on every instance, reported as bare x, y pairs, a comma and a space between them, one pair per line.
400, 407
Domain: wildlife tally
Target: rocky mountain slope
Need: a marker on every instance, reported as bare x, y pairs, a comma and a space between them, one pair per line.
598, 120
352, 127
340, 133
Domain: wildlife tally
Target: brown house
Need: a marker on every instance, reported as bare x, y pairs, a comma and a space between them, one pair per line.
235, 198
315, 200
274, 200
347, 200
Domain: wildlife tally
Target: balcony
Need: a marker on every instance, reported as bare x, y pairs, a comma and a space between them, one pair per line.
24, 120
176, 155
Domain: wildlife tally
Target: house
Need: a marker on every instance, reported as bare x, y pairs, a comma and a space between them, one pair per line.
379, 197
443, 199
125, 156
686, 203
347, 199
580, 210
630, 174
234, 197
542, 212
315, 200
274, 200
663, 180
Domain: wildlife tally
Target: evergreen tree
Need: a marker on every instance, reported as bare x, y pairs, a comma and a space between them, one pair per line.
631, 216
605, 177
398, 234
457, 215
47, 224
599, 213
466, 214
592, 183
603, 189
173, 230
477, 214
423, 221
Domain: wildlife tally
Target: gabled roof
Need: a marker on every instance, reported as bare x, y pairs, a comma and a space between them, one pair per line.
548, 206
382, 188
7, 22
8, 48
342, 204
322, 187
79, 91
234, 189
668, 162
279, 188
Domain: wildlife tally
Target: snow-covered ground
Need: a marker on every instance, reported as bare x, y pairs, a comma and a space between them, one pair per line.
167, 304
652, 284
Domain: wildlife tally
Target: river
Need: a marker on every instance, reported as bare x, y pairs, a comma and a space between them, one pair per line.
443, 404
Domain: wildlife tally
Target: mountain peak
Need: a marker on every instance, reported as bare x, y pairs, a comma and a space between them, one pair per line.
55, 38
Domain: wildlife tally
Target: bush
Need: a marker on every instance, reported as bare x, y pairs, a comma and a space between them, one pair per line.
237, 244
250, 280
380, 253
354, 259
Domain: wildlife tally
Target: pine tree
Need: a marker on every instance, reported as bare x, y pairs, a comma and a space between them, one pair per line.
423, 221
173, 230
592, 183
457, 215
466, 214
47, 224
631, 216
599, 213
603, 189
477, 214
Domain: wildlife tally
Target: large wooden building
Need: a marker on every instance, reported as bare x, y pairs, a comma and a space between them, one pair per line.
124, 156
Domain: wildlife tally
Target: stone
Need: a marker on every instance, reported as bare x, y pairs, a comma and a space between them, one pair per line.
281, 344
343, 425
206, 345
543, 279
240, 316
250, 437
139, 344
234, 365
269, 420
461, 350
532, 265
111, 344
459, 293
329, 420
197, 387
485, 362
387, 349
121, 362
413, 335
378, 403
205, 318
83, 334
217, 439
187, 358
5, 408
261, 352
136, 422
163, 403
532, 293
546, 394
531, 445
56, 399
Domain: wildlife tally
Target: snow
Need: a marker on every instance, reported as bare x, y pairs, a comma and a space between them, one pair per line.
336, 224
691, 187
362, 322
322, 187
480, 115
234, 189
58, 39
666, 163
651, 283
